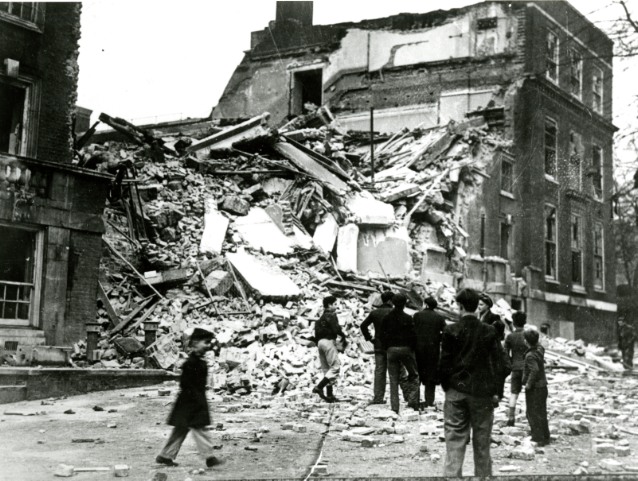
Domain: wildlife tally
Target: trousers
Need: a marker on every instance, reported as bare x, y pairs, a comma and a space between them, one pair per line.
536, 404
462, 413
380, 375
329, 359
399, 357
430, 392
177, 437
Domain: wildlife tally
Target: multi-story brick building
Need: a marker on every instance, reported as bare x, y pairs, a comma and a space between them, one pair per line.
539, 72
50, 210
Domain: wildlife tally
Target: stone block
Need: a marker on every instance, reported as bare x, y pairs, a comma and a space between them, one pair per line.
410, 416
604, 448
219, 282
622, 451
429, 429
364, 431
235, 205
397, 439
299, 428
267, 280
347, 241
325, 234
369, 442
261, 233
610, 465
524, 452
384, 251
215, 227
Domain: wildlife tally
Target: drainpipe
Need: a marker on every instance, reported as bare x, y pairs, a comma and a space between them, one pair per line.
482, 251
372, 142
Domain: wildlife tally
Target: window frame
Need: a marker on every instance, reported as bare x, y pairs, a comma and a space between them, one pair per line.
550, 242
28, 141
550, 120
578, 154
600, 247
555, 61
36, 24
598, 174
34, 307
575, 53
576, 247
509, 189
594, 93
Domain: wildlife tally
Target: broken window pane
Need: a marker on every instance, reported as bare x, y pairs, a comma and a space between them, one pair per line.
551, 57
577, 251
16, 273
575, 72
550, 147
550, 241
597, 174
11, 118
597, 90
574, 159
507, 176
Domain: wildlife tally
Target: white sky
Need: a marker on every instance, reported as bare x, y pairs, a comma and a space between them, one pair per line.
155, 61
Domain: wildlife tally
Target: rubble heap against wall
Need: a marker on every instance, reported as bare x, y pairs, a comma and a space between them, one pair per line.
245, 232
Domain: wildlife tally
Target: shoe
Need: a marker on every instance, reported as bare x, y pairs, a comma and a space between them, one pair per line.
213, 461
318, 389
330, 395
414, 406
166, 461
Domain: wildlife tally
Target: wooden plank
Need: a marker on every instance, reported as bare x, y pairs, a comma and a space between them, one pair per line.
110, 311
350, 285
132, 315
142, 318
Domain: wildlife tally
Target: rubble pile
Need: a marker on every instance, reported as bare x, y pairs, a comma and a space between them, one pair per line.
245, 231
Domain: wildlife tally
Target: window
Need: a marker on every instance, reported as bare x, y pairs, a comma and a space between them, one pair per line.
577, 250
307, 88
550, 147
19, 274
575, 73
599, 270
597, 171
507, 176
551, 57
12, 103
24, 10
505, 240
597, 90
574, 160
550, 242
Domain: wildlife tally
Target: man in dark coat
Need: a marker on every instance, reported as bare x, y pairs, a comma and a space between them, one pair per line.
469, 370
398, 339
536, 388
626, 343
429, 326
380, 356
190, 411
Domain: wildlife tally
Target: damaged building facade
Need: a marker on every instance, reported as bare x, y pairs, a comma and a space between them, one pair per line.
50, 210
539, 73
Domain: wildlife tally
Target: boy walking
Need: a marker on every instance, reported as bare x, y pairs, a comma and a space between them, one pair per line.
326, 331
516, 348
190, 411
536, 389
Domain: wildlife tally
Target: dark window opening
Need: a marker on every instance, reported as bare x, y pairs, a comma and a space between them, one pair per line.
17, 265
550, 242
517, 304
505, 240
486, 23
597, 166
507, 176
11, 118
307, 91
550, 147
577, 250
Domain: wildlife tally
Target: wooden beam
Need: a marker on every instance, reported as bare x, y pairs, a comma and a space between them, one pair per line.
132, 315
110, 311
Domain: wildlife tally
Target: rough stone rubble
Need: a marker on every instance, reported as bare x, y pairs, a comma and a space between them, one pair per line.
243, 229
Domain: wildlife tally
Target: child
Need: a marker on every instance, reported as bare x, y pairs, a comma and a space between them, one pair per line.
516, 347
190, 411
506, 364
536, 389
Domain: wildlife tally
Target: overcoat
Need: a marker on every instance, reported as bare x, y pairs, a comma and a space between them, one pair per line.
429, 326
191, 408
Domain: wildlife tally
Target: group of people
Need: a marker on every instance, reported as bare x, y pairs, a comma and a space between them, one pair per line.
468, 358
471, 360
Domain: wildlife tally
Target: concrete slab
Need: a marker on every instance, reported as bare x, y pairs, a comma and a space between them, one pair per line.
370, 211
389, 248
268, 281
262, 233
347, 248
215, 226
326, 234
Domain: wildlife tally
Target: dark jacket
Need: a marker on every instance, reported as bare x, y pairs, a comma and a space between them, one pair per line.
327, 327
534, 372
516, 348
470, 358
191, 407
428, 326
490, 318
397, 330
376, 319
